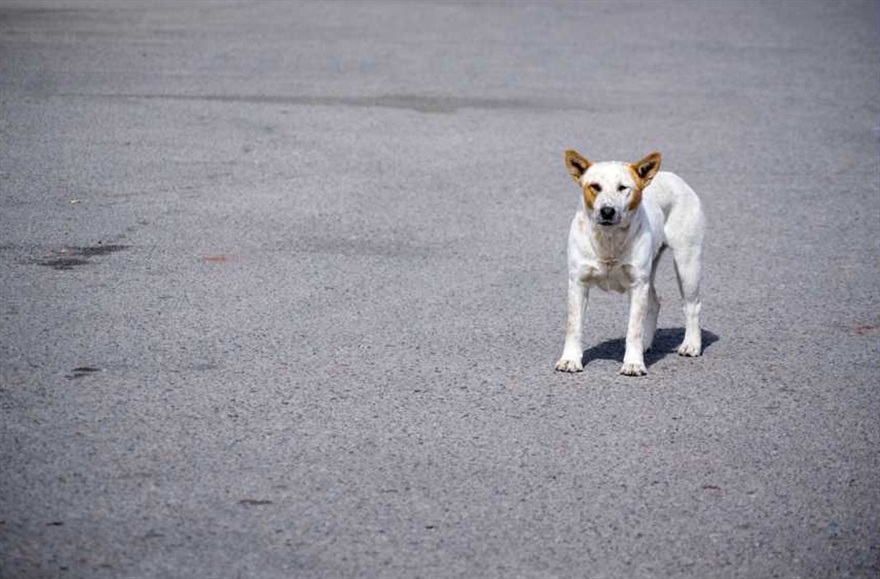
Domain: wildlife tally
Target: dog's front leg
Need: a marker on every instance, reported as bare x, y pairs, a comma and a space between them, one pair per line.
634, 358
572, 354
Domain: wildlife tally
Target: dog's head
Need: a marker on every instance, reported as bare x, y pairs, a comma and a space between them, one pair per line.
612, 191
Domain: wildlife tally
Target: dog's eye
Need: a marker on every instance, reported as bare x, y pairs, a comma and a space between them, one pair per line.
596, 187
622, 188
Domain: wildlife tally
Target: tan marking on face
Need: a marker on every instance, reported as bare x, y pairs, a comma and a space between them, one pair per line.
590, 194
637, 189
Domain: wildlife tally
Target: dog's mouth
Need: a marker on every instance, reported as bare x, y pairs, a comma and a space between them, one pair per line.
607, 222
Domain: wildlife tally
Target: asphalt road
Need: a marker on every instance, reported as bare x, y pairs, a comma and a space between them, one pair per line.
283, 285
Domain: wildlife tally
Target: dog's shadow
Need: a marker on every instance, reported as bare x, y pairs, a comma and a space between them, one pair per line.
666, 342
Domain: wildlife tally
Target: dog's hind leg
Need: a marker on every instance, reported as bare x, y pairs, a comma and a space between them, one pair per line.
650, 327
687, 270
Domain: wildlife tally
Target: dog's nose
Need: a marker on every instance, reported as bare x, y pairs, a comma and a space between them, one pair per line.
607, 213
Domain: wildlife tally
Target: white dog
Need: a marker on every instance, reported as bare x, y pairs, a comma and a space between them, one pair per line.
629, 214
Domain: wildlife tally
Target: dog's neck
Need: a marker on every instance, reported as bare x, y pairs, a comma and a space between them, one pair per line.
612, 244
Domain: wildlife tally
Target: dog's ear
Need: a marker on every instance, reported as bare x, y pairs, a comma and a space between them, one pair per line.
577, 164
647, 168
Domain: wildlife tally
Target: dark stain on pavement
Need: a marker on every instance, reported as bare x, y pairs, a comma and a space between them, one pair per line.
68, 258
82, 371
254, 502
63, 263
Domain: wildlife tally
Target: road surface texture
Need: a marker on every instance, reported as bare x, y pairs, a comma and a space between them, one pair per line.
283, 286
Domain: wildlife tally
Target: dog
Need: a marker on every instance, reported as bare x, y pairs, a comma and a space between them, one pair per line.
630, 213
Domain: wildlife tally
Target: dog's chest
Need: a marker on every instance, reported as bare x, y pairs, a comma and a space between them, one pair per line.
609, 275
606, 263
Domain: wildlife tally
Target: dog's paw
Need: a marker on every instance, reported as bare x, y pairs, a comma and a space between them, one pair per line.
689, 349
568, 365
633, 369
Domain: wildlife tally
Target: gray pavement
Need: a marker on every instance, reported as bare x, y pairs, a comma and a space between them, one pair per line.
282, 285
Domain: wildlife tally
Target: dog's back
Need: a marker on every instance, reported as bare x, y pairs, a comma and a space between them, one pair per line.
681, 208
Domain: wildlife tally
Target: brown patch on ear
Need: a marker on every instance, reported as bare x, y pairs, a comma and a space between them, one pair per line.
643, 172
646, 168
576, 164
